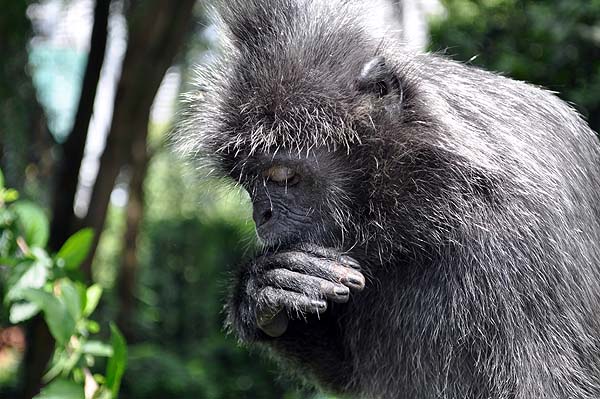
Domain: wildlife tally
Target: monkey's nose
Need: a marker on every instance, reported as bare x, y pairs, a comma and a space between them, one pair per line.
262, 215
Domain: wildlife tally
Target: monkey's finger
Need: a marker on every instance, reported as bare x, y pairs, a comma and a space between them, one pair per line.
272, 299
332, 254
349, 261
311, 286
327, 269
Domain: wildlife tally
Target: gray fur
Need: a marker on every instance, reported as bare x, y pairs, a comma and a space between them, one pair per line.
473, 205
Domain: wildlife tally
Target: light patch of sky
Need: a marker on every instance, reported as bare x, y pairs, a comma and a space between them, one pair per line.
57, 59
164, 105
103, 107
414, 21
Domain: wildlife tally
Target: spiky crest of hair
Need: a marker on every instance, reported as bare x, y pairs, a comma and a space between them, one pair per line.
285, 78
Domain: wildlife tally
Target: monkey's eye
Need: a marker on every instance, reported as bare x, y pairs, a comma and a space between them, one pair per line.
281, 175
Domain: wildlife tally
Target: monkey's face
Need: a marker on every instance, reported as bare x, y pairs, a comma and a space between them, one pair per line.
297, 197
298, 139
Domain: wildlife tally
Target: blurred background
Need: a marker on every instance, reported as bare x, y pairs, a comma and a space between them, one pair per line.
88, 93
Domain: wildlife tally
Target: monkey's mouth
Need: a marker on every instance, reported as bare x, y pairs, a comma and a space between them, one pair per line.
274, 234
271, 238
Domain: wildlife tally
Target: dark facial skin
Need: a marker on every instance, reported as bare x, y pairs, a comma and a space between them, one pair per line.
301, 271
283, 196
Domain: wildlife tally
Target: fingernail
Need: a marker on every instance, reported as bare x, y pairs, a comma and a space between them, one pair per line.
341, 291
349, 262
356, 280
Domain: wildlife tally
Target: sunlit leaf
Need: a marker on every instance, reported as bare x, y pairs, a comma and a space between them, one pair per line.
11, 195
41, 256
59, 320
75, 249
32, 222
1, 179
93, 294
22, 311
27, 275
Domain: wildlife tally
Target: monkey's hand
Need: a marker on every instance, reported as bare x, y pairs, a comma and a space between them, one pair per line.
291, 284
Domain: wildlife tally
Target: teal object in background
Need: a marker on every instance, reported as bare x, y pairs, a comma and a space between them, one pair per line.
57, 75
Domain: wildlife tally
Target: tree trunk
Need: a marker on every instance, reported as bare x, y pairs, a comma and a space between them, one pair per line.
156, 32
140, 157
40, 343
40, 346
63, 217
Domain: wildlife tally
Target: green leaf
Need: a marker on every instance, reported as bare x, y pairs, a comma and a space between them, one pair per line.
92, 326
32, 222
75, 249
40, 255
59, 361
22, 311
59, 320
1, 179
8, 262
70, 297
117, 363
28, 275
102, 393
62, 389
97, 348
93, 294
11, 195
72, 361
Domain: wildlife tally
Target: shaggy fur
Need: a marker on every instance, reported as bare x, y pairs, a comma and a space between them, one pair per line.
471, 201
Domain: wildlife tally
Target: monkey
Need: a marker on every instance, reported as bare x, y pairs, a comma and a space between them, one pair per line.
429, 229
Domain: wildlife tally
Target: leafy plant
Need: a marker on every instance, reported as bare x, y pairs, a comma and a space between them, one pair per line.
37, 282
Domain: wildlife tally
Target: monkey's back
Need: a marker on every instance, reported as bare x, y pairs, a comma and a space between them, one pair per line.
497, 288
476, 212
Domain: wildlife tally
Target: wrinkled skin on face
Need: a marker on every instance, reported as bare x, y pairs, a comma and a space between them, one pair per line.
292, 197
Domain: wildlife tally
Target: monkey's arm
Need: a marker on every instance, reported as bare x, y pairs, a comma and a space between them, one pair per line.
281, 301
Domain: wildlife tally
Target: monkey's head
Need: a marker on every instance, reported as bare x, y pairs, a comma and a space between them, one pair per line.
292, 111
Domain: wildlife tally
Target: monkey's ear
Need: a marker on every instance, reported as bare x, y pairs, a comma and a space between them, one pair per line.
378, 78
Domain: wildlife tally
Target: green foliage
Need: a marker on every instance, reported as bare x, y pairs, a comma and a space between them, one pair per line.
58, 317
32, 223
75, 249
62, 389
36, 282
555, 44
117, 362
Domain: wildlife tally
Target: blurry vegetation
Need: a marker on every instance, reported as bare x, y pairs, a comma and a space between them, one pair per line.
35, 282
552, 43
